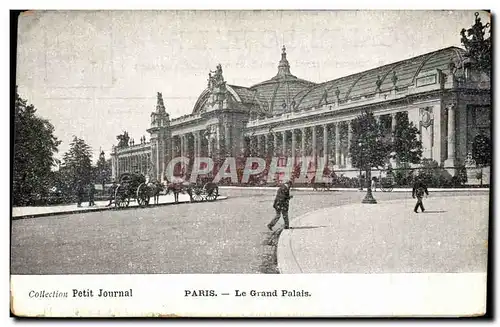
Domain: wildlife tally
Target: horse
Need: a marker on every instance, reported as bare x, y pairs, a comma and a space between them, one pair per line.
175, 188
156, 187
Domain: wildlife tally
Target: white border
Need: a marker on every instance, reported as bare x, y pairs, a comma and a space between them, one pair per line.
93, 4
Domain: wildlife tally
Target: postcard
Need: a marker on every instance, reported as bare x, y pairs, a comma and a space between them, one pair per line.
251, 163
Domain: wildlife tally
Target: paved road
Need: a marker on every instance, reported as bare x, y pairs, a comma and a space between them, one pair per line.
229, 236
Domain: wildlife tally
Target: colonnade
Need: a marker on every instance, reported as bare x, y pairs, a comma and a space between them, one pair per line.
330, 141
203, 143
133, 162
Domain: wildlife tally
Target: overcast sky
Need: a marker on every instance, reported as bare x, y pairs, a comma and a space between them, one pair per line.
96, 74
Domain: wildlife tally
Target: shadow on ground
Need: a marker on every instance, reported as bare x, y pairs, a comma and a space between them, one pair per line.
434, 211
269, 264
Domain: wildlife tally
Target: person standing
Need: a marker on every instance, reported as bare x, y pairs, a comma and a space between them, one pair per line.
281, 204
91, 195
79, 195
419, 189
111, 193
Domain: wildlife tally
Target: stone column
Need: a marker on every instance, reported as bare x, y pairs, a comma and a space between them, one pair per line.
393, 124
195, 145
252, 145
275, 144
210, 146
138, 160
172, 148
349, 139
227, 140
303, 142
393, 161
259, 146
198, 143
450, 162
313, 130
283, 147
217, 143
266, 145
183, 145
325, 143
242, 142
114, 167
337, 143
294, 146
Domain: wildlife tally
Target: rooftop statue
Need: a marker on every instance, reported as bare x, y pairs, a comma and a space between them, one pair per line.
123, 139
478, 48
160, 107
216, 80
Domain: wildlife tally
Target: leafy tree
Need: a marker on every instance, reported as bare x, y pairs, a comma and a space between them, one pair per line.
368, 147
406, 147
34, 149
77, 164
103, 170
481, 150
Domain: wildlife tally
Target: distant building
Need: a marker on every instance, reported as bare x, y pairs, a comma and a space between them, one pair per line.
439, 91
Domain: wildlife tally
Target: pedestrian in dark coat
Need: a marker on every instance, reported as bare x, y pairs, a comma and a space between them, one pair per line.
91, 195
79, 195
419, 189
111, 193
281, 204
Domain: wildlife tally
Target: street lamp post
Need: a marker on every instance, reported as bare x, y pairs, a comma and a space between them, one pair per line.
369, 196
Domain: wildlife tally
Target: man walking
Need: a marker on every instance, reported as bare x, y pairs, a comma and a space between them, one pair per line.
281, 203
419, 189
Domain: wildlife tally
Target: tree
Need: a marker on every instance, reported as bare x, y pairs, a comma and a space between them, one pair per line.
481, 152
77, 163
103, 170
34, 149
406, 148
368, 147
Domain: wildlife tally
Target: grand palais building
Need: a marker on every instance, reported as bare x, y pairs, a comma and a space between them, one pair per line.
288, 116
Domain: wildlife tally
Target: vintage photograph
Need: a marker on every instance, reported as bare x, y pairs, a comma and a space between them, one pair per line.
251, 142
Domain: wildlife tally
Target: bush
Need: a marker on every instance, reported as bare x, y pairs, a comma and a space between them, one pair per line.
404, 177
434, 175
461, 176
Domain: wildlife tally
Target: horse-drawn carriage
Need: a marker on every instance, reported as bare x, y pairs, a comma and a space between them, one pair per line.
203, 191
321, 186
132, 186
386, 184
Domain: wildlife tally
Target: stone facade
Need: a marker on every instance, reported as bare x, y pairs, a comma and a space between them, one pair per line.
287, 116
